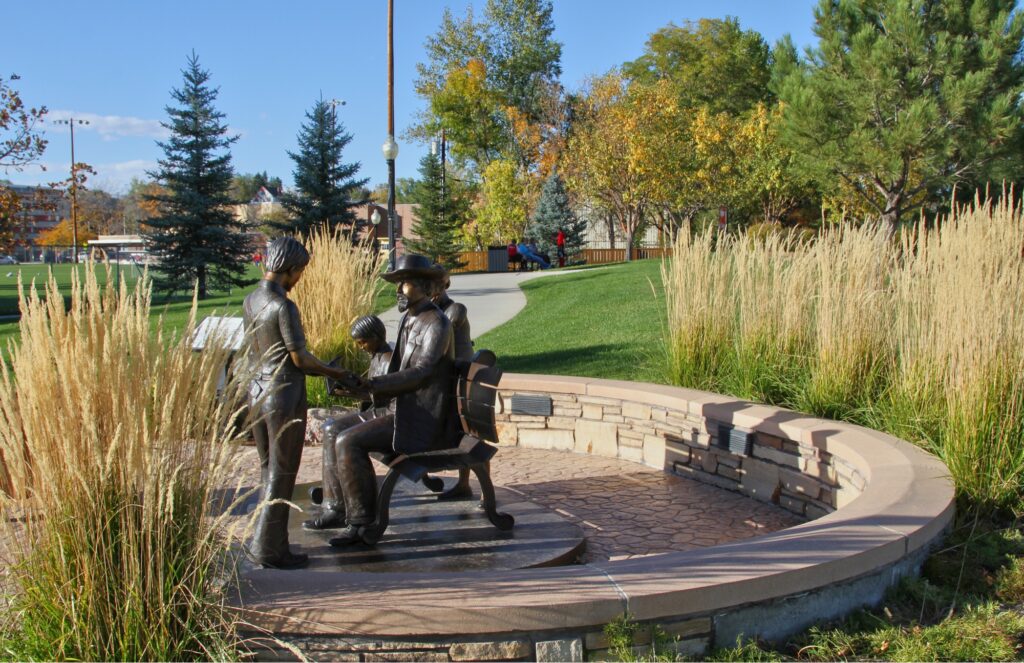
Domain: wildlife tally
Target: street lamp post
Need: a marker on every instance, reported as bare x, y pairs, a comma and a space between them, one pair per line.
375, 221
334, 103
433, 151
390, 147
74, 185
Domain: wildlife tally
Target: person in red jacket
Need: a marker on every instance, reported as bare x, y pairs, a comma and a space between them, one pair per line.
560, 244
514, 258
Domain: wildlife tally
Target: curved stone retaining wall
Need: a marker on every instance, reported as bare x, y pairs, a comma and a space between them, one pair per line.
874, 505
688, 433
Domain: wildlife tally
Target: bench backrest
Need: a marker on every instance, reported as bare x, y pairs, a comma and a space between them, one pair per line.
476, 392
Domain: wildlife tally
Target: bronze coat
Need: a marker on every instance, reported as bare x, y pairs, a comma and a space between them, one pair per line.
420, 378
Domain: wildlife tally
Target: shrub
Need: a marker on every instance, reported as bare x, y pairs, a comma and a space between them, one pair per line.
113, 442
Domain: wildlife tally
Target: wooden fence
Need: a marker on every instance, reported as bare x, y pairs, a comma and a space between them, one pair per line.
476, 261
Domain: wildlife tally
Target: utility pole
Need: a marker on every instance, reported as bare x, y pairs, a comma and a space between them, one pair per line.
74, 186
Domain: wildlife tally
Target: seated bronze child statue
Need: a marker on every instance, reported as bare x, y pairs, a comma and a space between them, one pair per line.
370, 335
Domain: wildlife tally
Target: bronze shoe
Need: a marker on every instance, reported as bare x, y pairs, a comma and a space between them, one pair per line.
329, 519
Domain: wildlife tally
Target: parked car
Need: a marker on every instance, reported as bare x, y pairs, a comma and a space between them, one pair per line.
7, 260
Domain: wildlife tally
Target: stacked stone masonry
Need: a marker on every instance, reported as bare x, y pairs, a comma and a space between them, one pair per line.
689, 637
800, 478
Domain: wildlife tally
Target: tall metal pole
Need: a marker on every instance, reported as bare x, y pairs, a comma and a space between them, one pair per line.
74, 185
74, 198
391, 135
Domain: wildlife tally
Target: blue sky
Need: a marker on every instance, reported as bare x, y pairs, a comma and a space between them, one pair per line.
116, 62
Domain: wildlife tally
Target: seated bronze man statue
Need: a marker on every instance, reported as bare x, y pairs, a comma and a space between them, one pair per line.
420, 378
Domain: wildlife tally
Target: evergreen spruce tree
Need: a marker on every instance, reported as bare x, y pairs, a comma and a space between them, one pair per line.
554, 213
438, 217
324, 184
196, 237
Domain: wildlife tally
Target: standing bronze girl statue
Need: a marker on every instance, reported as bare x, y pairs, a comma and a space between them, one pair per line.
278, 395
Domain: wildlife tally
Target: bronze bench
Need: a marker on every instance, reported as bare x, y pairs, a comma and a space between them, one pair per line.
471, 453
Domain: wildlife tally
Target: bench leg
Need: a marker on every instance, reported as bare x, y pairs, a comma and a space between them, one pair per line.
374, 531
502, 521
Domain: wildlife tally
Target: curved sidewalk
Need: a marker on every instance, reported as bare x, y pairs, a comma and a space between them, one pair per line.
491, 299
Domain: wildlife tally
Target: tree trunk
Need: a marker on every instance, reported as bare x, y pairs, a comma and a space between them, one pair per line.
201, 278
890, 217
629, 244
610, 222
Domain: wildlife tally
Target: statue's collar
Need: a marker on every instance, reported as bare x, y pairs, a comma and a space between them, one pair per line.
274, 287
422, 306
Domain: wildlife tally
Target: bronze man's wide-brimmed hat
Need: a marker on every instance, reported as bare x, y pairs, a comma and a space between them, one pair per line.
412, 265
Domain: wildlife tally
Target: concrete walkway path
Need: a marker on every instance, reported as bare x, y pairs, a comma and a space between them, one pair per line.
490, 299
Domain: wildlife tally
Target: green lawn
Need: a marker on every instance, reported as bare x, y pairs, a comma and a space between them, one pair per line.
605, 322
175, 310
40, 272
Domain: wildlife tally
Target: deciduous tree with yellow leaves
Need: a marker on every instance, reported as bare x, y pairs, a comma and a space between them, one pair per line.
627, 151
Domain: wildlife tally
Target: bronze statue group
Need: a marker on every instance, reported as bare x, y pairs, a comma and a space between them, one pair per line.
407, 396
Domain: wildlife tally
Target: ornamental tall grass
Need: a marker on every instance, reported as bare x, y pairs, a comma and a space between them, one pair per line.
113, 444
923, 337
338, 286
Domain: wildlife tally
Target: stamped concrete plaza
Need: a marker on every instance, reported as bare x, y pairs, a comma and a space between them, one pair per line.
625, 510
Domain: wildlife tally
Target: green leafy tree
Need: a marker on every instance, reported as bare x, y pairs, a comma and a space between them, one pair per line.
623, 153
404, 188
323, 183
523, 52
554, 213
503, 213
195, 236
712, 63
439, 216
715, 70
904, 99
480, 77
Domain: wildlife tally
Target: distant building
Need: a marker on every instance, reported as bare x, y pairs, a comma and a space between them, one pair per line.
405, 218
132, 248
264, 204
41, 210
119, 248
